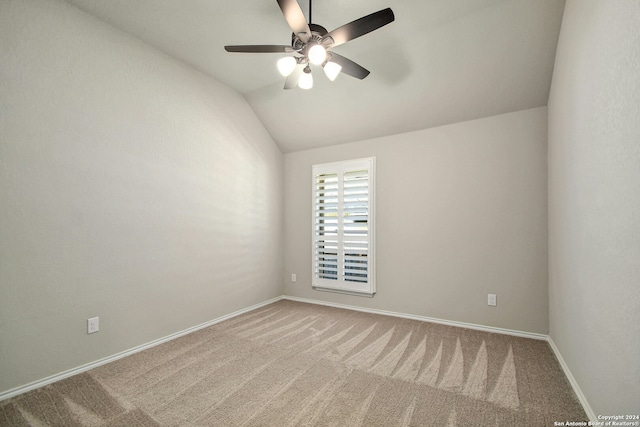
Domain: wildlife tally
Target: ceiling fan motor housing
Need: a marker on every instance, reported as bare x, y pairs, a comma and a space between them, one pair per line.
317, 35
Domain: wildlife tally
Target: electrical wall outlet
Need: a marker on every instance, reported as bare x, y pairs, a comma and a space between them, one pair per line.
93, 325
293, 277
492, 300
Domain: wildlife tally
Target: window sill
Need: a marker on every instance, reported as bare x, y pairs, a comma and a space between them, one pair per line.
344, 291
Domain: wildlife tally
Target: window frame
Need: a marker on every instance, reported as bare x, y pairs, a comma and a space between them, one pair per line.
339, 284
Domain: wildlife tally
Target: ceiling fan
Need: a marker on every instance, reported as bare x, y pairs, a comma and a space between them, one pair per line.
310, 43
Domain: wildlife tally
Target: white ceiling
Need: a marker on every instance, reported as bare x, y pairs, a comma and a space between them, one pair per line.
440, 62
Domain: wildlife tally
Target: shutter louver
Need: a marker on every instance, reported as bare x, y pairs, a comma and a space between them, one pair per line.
355, 216
326, 226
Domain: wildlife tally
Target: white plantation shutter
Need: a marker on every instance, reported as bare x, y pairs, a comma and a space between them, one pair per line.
343, 213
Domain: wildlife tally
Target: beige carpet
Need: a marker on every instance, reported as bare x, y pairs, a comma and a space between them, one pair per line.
291, 363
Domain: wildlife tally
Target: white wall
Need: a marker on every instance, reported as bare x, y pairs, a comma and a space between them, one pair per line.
594, 201
131, 188
461, 212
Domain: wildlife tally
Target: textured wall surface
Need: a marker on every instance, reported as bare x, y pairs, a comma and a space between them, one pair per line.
461, 212
132, 188
594, 201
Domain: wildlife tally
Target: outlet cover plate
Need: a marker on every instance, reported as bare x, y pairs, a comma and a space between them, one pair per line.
492, 300
93, 325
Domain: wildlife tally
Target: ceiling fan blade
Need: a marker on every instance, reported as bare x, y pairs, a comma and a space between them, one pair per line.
349, 67
361, 26
260, 48
292, 79
295, 18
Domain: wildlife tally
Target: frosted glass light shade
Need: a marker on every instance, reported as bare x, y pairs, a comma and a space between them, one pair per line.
331, 69
317, 54
286, 65
305, 81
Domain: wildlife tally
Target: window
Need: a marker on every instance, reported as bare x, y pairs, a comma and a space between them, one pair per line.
343, 227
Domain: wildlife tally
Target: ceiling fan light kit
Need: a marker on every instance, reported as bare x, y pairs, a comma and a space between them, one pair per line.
311, 43
317, 54
306, 79
331, 69
286, 65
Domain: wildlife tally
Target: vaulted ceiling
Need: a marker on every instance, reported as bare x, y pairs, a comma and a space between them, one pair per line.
439, 62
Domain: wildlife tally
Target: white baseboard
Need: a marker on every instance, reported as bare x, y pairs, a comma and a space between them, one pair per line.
71, 372
573, 382
503, 331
